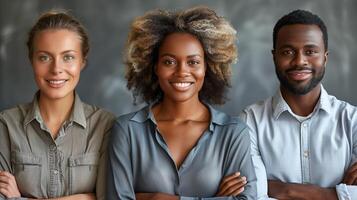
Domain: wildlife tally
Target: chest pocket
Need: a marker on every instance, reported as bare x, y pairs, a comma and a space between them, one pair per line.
83, 173
27, 171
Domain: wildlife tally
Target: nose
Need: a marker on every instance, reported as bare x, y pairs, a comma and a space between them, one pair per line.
56, 67
300, 59
182, 69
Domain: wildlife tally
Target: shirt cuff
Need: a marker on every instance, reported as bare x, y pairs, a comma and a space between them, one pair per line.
342, 192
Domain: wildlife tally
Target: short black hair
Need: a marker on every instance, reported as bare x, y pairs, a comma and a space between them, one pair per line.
300, 17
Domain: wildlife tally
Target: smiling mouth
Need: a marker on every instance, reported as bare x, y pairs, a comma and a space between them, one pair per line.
56, 83
181, 86
300, 75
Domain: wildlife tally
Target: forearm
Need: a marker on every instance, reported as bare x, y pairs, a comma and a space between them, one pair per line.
89, 196
212, 198
280, 190
163, 196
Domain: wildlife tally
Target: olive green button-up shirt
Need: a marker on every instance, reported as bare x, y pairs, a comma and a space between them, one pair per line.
45, 167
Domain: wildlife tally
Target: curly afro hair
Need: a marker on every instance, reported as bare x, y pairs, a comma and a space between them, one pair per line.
218, 39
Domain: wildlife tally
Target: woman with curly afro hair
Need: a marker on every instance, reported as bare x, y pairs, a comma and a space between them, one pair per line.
179, 146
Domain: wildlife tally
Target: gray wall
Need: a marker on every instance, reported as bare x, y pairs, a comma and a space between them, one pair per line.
102, 82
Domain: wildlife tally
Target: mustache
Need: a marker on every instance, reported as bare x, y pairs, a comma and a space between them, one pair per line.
301, 69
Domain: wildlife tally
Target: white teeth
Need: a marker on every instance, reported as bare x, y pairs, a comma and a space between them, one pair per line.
56, 81
182, 85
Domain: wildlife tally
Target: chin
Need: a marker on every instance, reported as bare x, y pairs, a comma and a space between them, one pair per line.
56, 95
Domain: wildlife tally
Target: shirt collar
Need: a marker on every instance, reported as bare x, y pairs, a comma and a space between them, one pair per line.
77, 114
279, 104
217, 117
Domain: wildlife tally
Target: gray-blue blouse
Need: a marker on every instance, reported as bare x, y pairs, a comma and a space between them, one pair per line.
140, 161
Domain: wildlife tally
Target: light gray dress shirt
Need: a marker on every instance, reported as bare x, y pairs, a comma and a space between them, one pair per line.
49, 168
140, 161
315, 150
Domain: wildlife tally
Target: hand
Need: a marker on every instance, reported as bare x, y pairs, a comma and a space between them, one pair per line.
350, 177
232, 185
8, 185
155, 196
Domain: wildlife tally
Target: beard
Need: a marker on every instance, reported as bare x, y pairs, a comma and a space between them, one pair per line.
299, 88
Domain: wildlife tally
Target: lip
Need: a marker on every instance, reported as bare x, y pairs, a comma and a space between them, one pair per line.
300, 75
181, 86
56, 83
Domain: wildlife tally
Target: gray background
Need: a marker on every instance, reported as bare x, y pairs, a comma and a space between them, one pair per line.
102, 82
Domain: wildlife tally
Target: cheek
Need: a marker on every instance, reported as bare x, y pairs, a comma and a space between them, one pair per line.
39, 70
319, 61
75, 70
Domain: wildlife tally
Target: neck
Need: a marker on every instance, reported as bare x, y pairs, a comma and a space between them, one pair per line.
302, 105
55, 111
192, 110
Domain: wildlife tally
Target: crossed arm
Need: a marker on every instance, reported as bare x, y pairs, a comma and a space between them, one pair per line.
280, 190
8, 188
231, 185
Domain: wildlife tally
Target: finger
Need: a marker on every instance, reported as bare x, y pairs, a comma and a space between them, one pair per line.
239, 182
4, 191
4, 185
351, 178
237, 192
4, 179
233, 189
5, 174
230, 177
353, 167
352, 170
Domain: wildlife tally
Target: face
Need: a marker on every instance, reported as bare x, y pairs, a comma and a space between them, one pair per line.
180, 67
300, 58
57, 62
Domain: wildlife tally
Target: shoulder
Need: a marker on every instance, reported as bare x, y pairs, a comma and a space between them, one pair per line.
259, 106
135, 117
231, 126
15, 114
343, 110
93, 112
131, 125
133, 120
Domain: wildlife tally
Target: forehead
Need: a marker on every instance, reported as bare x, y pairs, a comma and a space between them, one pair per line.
181, 44
56, 38
299, 35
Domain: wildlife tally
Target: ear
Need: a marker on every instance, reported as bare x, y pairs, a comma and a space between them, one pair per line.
326, 56
273, 52
84, 62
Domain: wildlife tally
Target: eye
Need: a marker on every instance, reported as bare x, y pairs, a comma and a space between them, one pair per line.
44, 58
311, 52
193, 62
287, 52
169, 62
68, 58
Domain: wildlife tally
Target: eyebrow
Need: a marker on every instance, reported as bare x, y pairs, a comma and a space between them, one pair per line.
172, 55
47, 52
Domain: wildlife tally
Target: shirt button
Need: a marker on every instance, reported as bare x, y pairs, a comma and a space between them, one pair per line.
55, 172
306, 154
304, 125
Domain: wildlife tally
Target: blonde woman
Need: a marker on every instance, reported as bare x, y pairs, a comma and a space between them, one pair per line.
52, 147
